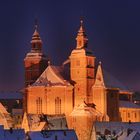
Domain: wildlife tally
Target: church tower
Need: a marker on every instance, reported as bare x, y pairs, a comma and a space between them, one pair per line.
82, 68
35, 61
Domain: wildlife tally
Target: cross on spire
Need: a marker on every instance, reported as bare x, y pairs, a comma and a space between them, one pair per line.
36, 23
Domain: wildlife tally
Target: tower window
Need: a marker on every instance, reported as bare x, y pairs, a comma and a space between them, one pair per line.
89, 61
39, 105
80, 43
78, 63
57, 105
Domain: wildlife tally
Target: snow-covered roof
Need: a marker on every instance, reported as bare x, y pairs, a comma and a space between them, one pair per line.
11, 95
104, 78
57, 122
85, 51
84, 110
53, 134
111, 82
128, 104
53, 75
34, 55
132, 136
37, 122
116, 126
119, 130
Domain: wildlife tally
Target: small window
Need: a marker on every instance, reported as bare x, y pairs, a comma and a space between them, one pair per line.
57, 105
111, 95
128, 115
135, 115
39, 105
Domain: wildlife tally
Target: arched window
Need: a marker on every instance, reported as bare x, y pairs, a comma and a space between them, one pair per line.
39, 105
57, 105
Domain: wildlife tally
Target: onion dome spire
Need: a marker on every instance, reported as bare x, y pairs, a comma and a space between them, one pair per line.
36, 41
81, 37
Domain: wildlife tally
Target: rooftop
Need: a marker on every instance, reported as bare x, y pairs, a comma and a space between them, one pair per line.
128, 104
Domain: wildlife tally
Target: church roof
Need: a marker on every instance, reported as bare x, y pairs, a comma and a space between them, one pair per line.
128, 104
53, 76
111, 82
104, 78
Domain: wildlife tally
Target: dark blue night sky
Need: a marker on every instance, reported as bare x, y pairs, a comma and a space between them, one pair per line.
112, 27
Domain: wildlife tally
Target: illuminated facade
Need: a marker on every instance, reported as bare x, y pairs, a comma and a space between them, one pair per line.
77, 83
35, 62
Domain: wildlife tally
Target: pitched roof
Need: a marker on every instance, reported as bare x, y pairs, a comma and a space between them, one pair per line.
3, 109
105, 79
134, 135
5, 118
53, 134
53, 75
128, 104
36, 122
116, 126
112, 82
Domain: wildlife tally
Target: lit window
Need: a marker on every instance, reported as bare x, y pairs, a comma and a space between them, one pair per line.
39, 105
57, 105
128, 115
135, 115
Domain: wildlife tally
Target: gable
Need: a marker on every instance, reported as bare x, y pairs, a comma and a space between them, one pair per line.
53, 75
105, 79
99, 81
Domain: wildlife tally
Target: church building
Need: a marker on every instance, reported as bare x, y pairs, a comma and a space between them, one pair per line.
78, 82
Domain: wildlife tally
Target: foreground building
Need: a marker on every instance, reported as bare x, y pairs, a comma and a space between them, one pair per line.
116, 130
12, 134
56, 90
5, 118
53, 135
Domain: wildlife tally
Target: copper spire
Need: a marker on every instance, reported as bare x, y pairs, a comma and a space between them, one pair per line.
36, 40
81, 37
81, 30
